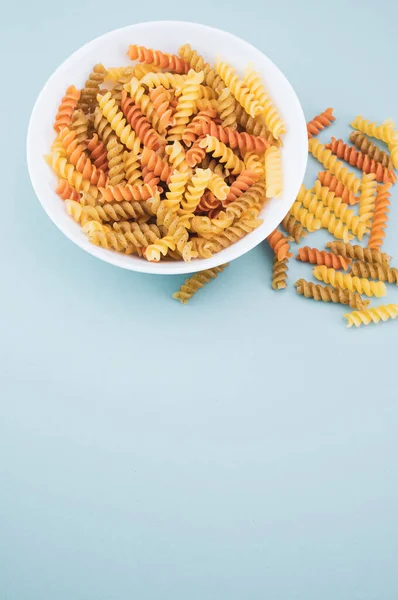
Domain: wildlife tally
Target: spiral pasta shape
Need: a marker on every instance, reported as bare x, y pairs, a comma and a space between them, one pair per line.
241, 184
363, 143
244, 141
375, 315
177, 157
158, 58
199, 182
119, 74
197, 63
238, 88
273, 172
196, 153
356, 252
114, 152
367, 197
347, 282
327, 220
233, 234
325, 156
326, 293
362, 161
117, 193
307, 219
74, 209
166, 80
218, 186
149, 177
279, 273
161, 247
227, 109
160, 100
319, 122
177, 185
197, 282
124, 237
142, 69
213, 164
65, 170
317, 257
132, 168
348, 217
117, 211
66, 108
223, 153
192, 131
157, 165
253, 163
185, 105
118, 123
375, 271
328, 180
91, 88
294, 228
102, 126
255, 126
138, 121
140, 235
205, 227
254, 197
208, 203
202, 247
383, 132
66, 191
271, 116
380, 217
97, 153
79, 124
279, 245
77, 157
142, 100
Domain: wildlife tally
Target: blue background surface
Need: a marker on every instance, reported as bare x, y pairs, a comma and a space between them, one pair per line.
242, 446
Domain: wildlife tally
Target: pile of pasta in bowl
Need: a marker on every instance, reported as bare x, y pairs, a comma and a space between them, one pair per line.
168, 158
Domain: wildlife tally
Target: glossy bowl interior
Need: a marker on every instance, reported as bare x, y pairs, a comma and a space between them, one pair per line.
111, 50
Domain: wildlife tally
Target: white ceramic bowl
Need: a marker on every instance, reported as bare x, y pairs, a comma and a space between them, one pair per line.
111, 50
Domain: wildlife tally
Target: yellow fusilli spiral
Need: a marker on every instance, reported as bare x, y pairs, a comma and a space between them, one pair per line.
225, 155
102, 126
124, 237
196, 282
329, 161
367, 197
177, 184
218, 186
177, 158
67, 171
186, 104
347, 282
305, 217
327, 219
382, 132
117, 74
132, 168
198, 63
227, 109
167, 80
79, 124
202, 247
238, 89
114, 152
142, 69
348, 217
364, 317
144, 103
253, 198
195, 190
271, 116
253, 163
117, 211
161, 247
273, 172
118, 123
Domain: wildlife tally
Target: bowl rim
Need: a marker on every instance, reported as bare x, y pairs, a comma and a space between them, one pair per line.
229, 254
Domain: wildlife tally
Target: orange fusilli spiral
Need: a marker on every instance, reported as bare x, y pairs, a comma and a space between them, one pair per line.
329, 180
159, 59
138, 121
149, 177
117, 193
159, 167
362, 161
195, 154
66, 108
244, 141
321, 257
320, 122
241, 184
191, 134
66, 191
380, 217
160, 99
77, 157
279, 244
97, 153
208, 202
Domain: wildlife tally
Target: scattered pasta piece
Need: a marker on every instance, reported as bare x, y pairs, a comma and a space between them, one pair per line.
375, 271
348, 282
375, 315
363, 143
326, 293
279, 273
329, 161
294, 228
383, 132
319, 122
380, 217
363, 162
196, 282
321, 257
356, 252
